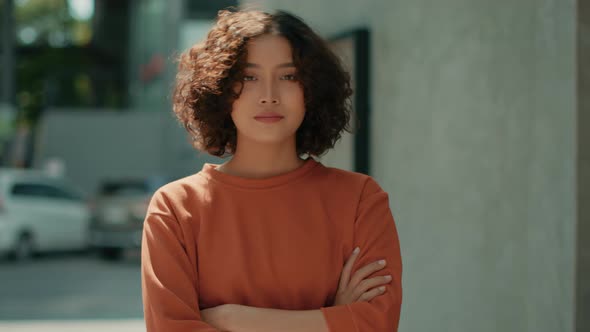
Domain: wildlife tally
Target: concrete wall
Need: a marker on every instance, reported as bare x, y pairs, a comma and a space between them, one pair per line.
102, 144
583, 259
474, 107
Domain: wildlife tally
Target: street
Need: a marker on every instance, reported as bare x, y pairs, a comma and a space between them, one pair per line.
69, 290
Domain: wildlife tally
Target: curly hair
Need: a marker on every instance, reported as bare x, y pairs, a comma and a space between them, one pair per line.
209, 72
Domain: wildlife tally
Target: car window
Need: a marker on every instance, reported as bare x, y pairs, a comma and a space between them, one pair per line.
63, 193
30, 190
124, 189
43, 191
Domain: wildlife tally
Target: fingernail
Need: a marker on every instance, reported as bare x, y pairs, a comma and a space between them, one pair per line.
356, 250
382, 288
382, 262
387, 277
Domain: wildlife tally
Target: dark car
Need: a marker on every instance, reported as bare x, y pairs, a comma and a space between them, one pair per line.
118, 214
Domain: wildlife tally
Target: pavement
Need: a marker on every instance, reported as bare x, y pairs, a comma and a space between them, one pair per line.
66, 292
119, 325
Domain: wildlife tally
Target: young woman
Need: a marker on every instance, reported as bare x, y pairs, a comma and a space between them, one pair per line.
269, 240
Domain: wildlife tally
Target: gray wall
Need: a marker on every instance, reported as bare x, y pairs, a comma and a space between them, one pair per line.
105, 144
474, 106
583, 275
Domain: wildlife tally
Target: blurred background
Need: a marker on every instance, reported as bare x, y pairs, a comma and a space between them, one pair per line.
476, 115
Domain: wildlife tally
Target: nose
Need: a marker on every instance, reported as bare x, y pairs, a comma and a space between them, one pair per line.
271, 100
269, 96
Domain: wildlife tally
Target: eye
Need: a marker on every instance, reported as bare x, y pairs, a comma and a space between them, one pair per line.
249, 78
289, 77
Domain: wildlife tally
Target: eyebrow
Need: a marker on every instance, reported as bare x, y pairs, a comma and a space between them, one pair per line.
282, 65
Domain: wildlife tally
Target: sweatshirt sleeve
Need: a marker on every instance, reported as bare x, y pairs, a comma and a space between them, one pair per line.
168, 278
376, 235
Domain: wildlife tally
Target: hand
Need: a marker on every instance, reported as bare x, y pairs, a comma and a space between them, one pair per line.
217, 316
358, 288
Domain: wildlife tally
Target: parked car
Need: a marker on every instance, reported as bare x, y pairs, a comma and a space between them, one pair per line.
119, 211
40, 213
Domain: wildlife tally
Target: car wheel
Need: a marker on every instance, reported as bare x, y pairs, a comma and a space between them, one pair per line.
24, 248
111, 254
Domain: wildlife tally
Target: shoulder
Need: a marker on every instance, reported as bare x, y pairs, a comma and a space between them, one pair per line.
348, 180
180, 193
337, 174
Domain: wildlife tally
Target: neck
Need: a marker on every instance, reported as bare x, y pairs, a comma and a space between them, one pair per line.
258, 160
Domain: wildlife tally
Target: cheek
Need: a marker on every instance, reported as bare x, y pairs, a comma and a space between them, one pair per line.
293, 94
247, 97
240, 104
297, 101
235, 113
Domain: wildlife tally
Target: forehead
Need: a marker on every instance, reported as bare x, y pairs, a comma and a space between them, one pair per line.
269, 50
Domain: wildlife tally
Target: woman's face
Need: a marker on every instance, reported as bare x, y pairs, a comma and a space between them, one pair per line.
271, 106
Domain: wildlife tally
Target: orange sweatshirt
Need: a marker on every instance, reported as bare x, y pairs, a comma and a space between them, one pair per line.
279, 242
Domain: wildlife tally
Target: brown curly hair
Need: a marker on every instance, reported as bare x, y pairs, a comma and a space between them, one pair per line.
209, 72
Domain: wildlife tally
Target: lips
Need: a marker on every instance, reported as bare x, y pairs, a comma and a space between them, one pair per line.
268, 117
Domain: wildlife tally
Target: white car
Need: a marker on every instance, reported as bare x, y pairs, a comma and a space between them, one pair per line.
40, 213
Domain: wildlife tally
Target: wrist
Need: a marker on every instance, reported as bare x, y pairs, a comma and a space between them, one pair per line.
230, 313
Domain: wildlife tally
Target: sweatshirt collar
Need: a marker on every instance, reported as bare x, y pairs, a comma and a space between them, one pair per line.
210, 171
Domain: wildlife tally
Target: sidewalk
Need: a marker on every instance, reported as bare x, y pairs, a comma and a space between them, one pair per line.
126, 325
